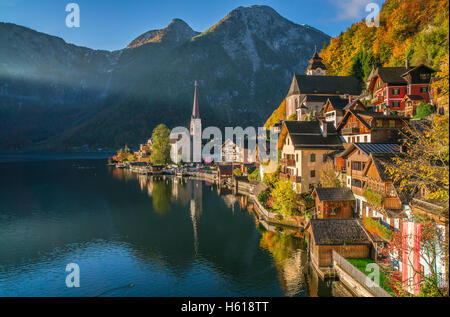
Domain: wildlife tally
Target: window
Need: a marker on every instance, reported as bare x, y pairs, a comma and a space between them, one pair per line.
324, 158
424, 76
379, 123
391, 123
396, 104
395, 91
365, 139
288, 141
296, 157
357, 139
424, 89
313, 173
356, 166
313, 157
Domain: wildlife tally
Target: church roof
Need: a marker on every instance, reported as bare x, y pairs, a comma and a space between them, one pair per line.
325, 85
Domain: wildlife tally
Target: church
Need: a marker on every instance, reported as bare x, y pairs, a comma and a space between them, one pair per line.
309, 93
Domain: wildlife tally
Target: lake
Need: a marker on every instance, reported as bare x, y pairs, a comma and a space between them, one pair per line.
135, 235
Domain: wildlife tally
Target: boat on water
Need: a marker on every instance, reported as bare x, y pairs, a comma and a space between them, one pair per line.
121, 165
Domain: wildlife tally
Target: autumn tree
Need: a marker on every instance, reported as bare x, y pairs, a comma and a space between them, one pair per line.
160, 145
330, 177
285, 199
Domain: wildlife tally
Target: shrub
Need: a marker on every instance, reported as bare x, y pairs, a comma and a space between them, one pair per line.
254, 176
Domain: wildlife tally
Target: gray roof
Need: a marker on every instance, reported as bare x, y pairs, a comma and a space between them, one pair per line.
334, 194
339, 232
368, 148
329, 85
307, 134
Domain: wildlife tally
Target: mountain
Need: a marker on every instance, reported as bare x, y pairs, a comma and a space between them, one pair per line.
55, 95
177, 31
409, 29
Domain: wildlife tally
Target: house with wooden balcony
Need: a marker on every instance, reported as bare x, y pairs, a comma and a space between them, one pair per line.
305, 147
389, 85
355, 158
411, 103
370, 127
334, 203
335, 108
382, 198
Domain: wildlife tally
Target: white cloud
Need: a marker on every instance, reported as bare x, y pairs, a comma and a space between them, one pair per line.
350, 9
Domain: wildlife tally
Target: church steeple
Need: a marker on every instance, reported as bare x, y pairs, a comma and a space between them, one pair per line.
195, 109
316, 67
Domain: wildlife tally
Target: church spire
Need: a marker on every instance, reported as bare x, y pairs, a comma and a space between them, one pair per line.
195, 108
316, 67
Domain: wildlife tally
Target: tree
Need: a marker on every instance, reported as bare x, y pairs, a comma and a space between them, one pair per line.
285, 200
442, 84
330, 177
160, 145
423, 110
424, 164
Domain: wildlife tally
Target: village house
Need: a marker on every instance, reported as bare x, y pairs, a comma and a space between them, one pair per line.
311, 91
237, 153
335, 108
389, 86
370, 127
345, 236
305, 147
334, 203
352, 162
145, 150
382, 199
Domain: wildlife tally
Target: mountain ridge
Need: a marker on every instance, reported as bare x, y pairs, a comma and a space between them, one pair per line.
109, 98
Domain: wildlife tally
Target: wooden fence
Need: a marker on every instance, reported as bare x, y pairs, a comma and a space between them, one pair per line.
359, 276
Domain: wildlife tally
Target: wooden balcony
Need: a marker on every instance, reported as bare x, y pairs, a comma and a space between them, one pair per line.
284, 176
296, 179
351, 130
287, 162
391, 203
376, 100
357, 191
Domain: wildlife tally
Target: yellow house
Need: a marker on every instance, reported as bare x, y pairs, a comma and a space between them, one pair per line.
305, 147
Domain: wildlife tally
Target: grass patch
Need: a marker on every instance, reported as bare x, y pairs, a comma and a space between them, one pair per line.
361, 265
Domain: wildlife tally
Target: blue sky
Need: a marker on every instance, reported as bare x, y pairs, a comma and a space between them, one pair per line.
112, 24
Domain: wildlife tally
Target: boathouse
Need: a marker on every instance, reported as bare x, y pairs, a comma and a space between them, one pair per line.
345, 236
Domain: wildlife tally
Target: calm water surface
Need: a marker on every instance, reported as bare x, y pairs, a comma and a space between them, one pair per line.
168, 238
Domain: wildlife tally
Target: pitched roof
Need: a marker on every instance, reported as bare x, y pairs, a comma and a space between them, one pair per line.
338, 231
307, 134
328, 85
334, 194
413, 97
368, 148
379, 160
392, 75
363, 115
413, 68
338, 103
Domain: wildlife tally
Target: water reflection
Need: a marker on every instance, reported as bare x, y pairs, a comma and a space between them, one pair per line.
169, 237
286, 246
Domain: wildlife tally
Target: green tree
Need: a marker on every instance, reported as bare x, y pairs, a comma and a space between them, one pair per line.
160, 145
423, 110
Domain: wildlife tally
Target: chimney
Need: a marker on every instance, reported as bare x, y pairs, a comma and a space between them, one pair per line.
406, 64
324, 129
